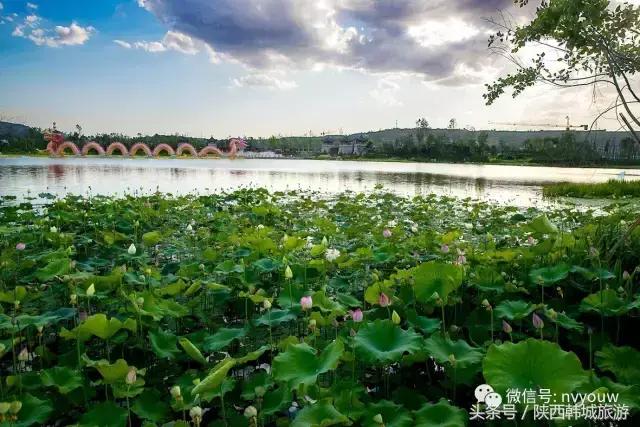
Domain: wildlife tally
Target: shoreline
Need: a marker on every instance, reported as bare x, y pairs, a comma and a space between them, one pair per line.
359, 159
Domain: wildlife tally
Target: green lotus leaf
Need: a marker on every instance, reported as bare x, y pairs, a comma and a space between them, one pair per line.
300, 364
440, 348
548, 276
254, 355
425, 324
440, 414
290, 296
513, 310
277, 400
383, 342
257, 298
431, 277
19, 293
275, 317
25, 320
566, 322
64, 378
320, 414
106, 414
192, 350
223, 338
372, 294
195, 287
623, 361
393, 415
122, 389
228, 384
608, 303
55, 268
348, 300
229, 267
593, 273
267, 264
164, 344
151, 238
532, 364
261, 379
322, 301
111, 373
33, 412
217, 287
318, 250
215, 377
99, 326
173, 289
149, 406
110, 237
488, 280
541, 224
626, 394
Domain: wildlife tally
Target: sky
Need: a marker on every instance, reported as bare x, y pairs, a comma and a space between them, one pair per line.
263, 67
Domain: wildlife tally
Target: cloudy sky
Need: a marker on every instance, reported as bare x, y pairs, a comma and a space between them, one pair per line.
261, 67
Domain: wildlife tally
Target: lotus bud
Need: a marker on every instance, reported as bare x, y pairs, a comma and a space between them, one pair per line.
312, 324
189, 228
15, 406
140, 302
250, 412
324, 241
334, 322
73, 299
444, 249
148, 272
453, 360
260, 391
454, 328
559, 289
201, 267
132, 249
540, 280
175, 392
626, 275
91, 290
621, 290
131, 376
306, 303
384, 300
506, 327
83, 316
196, 413
589, 330
285, 261
386, 233
395, 317
4, 407
53, 229
142, 278
553, 314
378, 419
260, 227
593, 252
357, 315
40, 328
73, 264
23, 355
374, 277
352, 332
20, 246
2, 348
485, 303
266, 304
123, 268
537, 321
531, 240
16, 304
288, 274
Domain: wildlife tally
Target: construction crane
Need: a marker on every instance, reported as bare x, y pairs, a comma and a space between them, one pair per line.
545, 125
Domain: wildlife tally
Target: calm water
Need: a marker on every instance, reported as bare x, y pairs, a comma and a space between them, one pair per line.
512, 184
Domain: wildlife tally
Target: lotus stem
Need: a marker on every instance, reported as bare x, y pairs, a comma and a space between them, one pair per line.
129, 407
224, 417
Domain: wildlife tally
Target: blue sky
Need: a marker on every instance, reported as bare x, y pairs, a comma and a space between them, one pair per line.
257, 67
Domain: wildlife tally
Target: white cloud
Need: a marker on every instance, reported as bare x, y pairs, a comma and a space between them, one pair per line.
263, 81
123, 44
17, 32
1, 6
181, 43
32, 20
386, 92
8, 19
150, 46
74, 34
437, 33
32, 6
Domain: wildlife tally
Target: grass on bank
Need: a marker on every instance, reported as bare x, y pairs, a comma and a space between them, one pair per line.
611, 188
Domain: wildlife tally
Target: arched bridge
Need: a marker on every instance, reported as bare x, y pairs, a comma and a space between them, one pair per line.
57, 147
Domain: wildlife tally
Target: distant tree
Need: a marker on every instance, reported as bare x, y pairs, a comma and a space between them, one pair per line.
453, 124
422, 128
596, 46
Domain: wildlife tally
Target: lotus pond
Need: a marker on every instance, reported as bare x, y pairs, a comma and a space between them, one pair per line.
254, 308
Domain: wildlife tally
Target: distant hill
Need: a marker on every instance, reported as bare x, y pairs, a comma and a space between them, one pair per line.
13, 129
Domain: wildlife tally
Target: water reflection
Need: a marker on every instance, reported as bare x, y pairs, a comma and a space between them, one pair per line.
518, 185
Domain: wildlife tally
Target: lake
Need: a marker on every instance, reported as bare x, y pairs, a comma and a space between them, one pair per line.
519, 185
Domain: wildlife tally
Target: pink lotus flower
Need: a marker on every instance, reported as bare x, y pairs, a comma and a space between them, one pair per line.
20, 246
531, 240
306, 303
357, 316
24, 355
537, 321
83, 316
506, 327
593, 252
462, 259
384, 300
626, 275
352, 332
444, 249
386, 233
131, 376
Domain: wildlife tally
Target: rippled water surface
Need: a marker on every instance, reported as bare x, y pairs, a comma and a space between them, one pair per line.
521, 185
